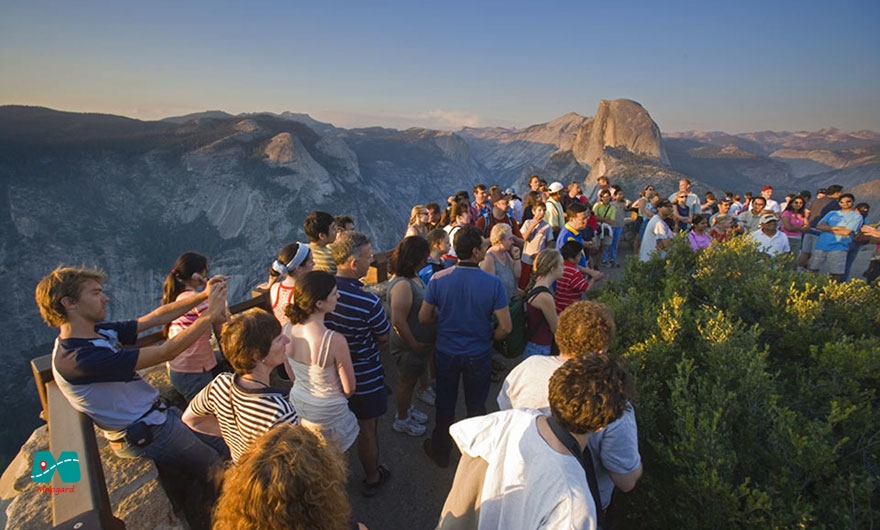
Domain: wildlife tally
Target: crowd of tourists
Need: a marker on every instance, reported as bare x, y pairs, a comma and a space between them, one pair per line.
286, 394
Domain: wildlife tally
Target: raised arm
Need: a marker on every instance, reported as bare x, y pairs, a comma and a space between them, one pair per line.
168, 312
216, 313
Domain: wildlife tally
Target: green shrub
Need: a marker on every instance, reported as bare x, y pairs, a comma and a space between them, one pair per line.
757, 392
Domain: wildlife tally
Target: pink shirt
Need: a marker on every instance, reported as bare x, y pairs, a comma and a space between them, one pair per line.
699, 241
797, 220
199, 357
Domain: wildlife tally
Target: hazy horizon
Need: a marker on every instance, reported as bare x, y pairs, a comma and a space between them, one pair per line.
742, 67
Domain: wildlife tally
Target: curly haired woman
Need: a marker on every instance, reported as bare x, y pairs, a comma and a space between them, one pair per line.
289, 480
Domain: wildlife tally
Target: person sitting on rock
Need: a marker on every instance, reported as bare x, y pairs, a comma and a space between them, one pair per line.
100, 378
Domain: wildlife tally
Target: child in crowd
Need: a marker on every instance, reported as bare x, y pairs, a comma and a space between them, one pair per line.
320, 227
572, 285
438, 239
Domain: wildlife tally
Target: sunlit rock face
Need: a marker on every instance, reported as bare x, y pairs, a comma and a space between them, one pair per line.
621, 123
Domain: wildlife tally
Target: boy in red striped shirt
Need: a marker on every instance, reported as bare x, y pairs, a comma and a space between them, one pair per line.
572, 286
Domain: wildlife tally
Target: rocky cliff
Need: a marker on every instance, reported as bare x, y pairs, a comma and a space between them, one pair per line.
621, 123
129, 196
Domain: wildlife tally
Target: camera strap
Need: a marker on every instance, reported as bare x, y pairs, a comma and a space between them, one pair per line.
585, 459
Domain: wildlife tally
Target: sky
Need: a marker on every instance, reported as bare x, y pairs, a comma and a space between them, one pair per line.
739, 66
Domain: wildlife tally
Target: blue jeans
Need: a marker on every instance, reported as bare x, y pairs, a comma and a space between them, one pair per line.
611, 252
189, 384
476, 373
174, 444
851, 256
535, 349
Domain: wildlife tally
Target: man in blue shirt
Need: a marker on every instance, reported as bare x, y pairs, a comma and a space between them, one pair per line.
837, 228
360, 317
462, 301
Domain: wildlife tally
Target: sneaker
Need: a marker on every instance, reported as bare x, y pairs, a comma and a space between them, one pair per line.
417, 415
427, 395
409, 427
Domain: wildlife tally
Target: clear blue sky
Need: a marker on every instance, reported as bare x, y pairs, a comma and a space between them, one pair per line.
733, 66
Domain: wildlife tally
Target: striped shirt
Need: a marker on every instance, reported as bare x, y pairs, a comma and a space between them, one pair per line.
570, 287
360, 318
323, 258
243, 414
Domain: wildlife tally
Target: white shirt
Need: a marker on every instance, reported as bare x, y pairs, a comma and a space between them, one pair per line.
772, 245
656, 230
528, 484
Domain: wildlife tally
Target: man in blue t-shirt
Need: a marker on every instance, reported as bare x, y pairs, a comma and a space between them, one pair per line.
837, 228
99, 377
462, 301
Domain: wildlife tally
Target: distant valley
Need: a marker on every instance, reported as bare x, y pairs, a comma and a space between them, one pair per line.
129, 196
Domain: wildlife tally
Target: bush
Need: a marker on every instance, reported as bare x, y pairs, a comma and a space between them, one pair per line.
757, 387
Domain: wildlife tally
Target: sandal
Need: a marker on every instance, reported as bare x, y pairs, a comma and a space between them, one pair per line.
369, 490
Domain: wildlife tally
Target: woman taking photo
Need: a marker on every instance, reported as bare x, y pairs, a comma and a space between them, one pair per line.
242, 406
320, 361
190, 371
294, 260
411, 343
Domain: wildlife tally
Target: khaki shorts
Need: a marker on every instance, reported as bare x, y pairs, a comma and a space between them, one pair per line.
828, 261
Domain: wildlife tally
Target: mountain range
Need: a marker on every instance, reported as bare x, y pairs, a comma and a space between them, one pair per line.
128, 196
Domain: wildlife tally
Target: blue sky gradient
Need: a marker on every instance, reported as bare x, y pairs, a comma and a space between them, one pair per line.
738, 66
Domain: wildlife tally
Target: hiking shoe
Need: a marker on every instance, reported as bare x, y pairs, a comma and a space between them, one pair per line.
427, 395
408, 426
417, 415
369, 490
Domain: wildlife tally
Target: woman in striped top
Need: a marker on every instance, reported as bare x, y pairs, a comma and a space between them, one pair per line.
294, 260
242, 406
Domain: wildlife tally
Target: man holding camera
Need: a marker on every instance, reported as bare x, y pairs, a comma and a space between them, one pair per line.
100, 378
